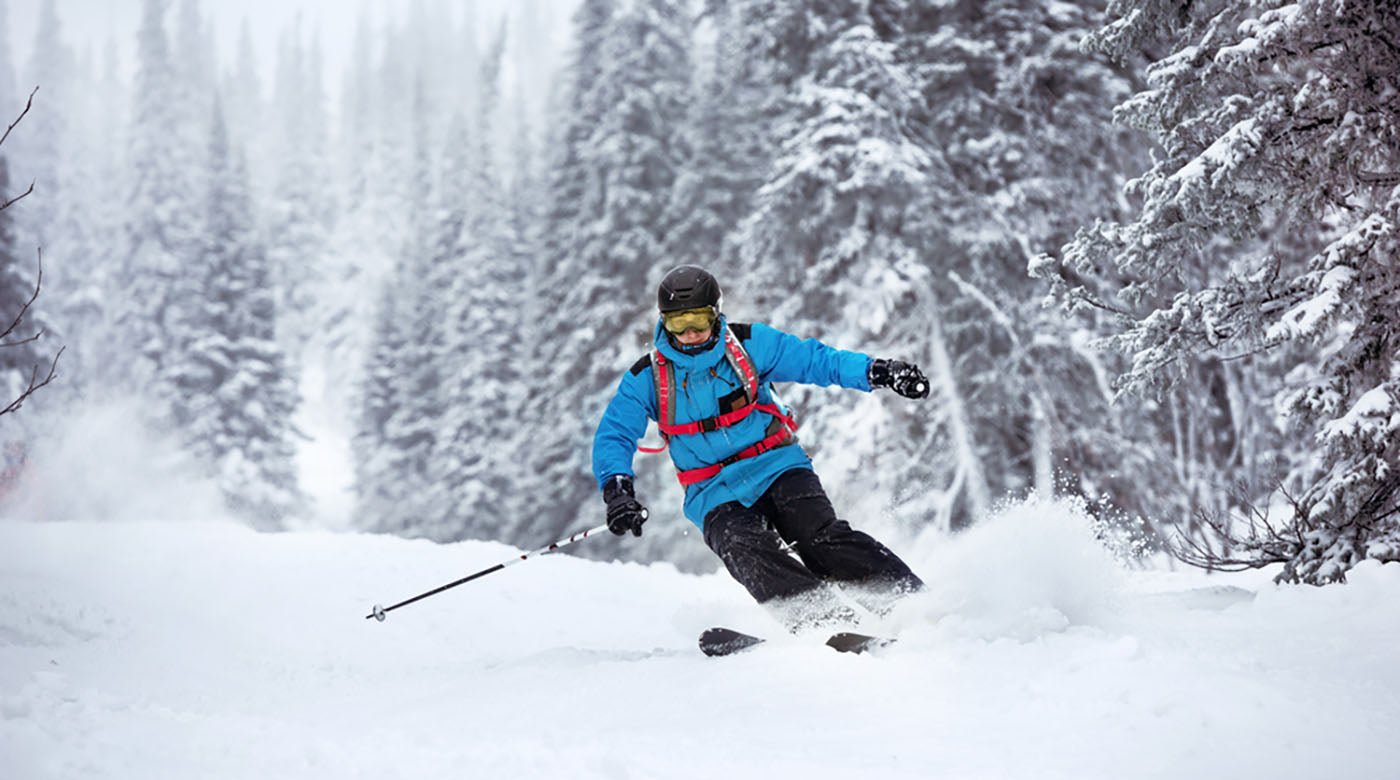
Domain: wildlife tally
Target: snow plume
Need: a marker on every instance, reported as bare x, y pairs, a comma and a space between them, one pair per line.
1035, 566
100, 462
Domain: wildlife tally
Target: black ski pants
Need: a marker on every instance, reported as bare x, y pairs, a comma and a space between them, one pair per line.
796, 511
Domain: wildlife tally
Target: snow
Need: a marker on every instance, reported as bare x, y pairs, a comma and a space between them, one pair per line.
1305, 318
183, 646
1374, 412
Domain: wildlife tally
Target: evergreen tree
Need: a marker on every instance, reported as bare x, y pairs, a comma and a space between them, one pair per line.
45, 136
301, 202
18, 356
483, 310
411, 440
727, 156
554, 444
87, 241
236, 397
1268, 227
379, 488
831, 248
17, 265
609, 193
161, 223
1014, 116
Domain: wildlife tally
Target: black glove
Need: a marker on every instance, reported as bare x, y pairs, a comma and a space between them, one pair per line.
625, 512
904, 378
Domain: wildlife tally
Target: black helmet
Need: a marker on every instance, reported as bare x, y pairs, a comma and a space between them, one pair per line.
687, 287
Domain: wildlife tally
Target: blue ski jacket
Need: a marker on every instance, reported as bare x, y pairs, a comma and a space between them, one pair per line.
701, 381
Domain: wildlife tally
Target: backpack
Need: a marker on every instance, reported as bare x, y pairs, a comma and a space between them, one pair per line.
781, 433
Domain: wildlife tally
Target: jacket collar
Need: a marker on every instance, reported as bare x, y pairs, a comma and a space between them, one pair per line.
701, 360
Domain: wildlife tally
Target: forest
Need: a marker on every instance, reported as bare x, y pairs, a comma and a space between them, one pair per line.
1147, 252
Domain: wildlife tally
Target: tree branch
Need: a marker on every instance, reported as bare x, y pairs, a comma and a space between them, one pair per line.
22, 195
34, 381
21, 116
17, 198
1378, 177
37, 282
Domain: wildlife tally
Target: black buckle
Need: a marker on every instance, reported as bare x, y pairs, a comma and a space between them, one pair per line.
709, 425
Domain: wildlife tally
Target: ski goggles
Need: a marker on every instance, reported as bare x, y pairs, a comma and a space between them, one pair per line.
700, 319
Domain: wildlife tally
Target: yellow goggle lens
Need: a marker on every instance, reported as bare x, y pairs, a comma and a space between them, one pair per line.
689, 319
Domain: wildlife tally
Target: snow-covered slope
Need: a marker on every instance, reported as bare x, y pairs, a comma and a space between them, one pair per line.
201, 649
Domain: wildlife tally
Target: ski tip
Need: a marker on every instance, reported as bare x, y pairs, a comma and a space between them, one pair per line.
851, 642
725, 641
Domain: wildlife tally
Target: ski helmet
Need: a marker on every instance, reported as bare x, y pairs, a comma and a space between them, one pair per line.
687, 287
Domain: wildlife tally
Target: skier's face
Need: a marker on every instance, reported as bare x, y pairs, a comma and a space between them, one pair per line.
692, 337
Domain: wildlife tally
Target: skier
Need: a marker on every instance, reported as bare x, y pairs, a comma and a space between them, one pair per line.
748, 485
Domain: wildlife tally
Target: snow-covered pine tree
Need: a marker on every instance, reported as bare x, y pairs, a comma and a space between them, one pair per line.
45, 135
79, 171
18, 266
356, 112
609, 191
1015, 116
161, 225
19, 356
829, 249
726, 137
372, 229
193, 53
245, 111
302, 202
379, 491
483, 315
568, 177
235, 396
1269, 223
401, 446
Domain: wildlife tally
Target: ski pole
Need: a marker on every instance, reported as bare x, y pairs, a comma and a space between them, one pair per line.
379, 612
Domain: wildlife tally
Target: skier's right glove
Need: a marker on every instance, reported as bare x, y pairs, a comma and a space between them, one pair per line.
625, 512
903, 378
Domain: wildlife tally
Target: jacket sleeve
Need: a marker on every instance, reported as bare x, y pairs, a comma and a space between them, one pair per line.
783, 357
624, 423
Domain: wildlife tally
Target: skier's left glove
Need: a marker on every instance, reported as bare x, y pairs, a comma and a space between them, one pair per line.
625, 512
903, 378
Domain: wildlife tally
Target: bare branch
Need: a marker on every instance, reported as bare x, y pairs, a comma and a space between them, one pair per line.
27, 192
17, 198
1263, 545
13, 325
34, 383
21, 116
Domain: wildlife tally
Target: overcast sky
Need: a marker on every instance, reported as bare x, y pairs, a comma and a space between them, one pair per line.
91, 23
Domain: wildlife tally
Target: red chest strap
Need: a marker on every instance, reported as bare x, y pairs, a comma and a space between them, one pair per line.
664, 374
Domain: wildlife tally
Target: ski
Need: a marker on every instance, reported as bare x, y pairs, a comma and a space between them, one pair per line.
851, 642
720, 641
726, 641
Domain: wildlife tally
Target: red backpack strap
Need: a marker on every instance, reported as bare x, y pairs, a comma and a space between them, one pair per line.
664, 375
781, 437
744, 367
742, 364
